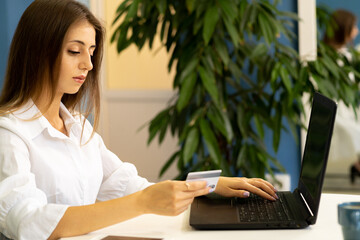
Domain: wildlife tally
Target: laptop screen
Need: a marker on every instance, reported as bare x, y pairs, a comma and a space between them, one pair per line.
316, 150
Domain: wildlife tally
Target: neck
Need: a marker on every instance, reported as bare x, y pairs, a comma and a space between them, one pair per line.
51, 111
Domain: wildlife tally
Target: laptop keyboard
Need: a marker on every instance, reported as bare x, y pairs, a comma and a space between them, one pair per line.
257, 209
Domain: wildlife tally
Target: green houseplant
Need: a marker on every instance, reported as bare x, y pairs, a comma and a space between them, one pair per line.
234, 78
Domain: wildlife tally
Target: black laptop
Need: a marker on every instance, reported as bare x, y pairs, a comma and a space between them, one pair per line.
297, 209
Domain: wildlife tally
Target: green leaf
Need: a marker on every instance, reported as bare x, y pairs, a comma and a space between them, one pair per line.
245, 11
221, 121
191, 144
156, 124
153, 130
186, 91
259, 126
210, 20
230, 27
331, 66
192, 120
210, 141
120, 13
242, 121
209, 83
190, 67
242, 156
235, 70
163, 128
303, 76
197, 25
285, 78
207, 61
293, 129
228, 127
277, 128
269, 6
229, 9
164, 25
216, 120
190, 4
122, 6
275, 72
265, 28
259, 50
292, 15
122, 42
132, 10
222, 50
161, 5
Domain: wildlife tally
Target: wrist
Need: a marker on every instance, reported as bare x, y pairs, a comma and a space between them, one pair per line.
218, 185
141, 203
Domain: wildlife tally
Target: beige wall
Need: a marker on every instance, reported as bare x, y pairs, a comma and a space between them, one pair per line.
136, 86
133, 69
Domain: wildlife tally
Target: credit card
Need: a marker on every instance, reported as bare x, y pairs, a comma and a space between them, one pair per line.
211, 177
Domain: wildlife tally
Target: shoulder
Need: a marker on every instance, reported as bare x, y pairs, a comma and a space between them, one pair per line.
12, 134
24, 122
11, 124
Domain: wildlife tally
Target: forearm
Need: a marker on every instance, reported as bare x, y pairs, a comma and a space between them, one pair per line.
83, 219
168, 198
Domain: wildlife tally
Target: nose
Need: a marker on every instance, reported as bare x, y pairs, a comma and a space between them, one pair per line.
86, 63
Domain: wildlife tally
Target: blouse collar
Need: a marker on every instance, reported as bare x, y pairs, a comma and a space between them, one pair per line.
36, 123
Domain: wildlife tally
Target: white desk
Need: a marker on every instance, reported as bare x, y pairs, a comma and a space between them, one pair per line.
174, 228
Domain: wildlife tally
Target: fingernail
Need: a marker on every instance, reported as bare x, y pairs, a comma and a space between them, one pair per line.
246, 194
211, 190
276, 196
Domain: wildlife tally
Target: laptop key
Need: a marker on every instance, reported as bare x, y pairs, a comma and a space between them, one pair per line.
255, 209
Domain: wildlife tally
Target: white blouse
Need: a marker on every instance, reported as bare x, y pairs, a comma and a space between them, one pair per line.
42, 172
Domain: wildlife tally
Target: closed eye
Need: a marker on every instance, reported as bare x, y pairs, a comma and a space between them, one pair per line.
73, 52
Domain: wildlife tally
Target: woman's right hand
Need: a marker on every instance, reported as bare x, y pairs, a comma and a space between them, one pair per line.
170, 197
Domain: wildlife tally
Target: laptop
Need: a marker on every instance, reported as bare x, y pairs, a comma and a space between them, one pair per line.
297, 209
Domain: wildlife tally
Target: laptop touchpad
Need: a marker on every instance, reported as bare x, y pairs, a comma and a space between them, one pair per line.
213, 210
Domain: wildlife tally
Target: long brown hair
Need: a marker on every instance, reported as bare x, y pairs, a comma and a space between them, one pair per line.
33, 62
343, 22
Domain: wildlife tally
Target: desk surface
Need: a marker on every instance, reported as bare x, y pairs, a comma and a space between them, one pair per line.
173, 228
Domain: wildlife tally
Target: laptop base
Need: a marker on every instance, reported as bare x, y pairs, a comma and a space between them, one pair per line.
217, 213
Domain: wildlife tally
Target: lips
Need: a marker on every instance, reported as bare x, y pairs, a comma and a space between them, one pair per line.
80, 79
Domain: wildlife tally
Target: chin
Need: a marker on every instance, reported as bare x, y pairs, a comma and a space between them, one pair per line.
74, 91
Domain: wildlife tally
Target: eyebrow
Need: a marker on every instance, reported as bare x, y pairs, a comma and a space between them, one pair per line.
82, 43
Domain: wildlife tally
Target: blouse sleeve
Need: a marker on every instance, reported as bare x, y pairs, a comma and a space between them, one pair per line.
120, 178
24, 211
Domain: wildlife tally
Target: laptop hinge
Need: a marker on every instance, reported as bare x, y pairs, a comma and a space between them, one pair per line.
310, 218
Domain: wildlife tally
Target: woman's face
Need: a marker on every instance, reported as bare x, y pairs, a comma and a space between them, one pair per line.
75, 58
354, 32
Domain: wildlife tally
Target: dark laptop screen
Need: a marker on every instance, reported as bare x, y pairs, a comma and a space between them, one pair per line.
316, 149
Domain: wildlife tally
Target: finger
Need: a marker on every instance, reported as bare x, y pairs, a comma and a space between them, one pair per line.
260, 183
193, 186
197, 193
202, 192
191, 194
268, 184
241, 193
259, 192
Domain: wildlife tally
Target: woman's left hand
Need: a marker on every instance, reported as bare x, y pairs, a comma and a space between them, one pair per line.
241, 187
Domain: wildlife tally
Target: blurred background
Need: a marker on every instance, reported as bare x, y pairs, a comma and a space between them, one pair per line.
137, 85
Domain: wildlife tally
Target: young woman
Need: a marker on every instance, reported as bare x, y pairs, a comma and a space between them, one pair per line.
57, 178
347, 125
344, 30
